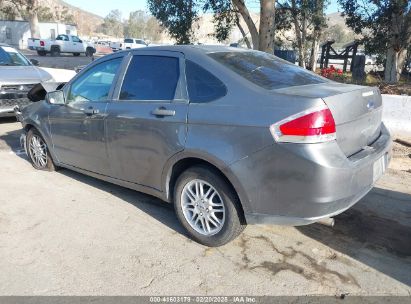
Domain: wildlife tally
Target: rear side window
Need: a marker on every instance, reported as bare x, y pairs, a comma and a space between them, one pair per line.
203, 86
128, 40
265, 70
150, 78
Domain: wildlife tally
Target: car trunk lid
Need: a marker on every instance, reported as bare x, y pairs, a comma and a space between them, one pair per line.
357, 112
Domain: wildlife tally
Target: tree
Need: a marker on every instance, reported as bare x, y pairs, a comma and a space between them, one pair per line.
337, 33
113, 25
153, 29
136, 25
66, 16
177, 16
319, 23
25, 8
8, 11
308, 21
45, 14
386, 28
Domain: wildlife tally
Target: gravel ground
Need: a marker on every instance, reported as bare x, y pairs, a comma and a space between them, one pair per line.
63, 233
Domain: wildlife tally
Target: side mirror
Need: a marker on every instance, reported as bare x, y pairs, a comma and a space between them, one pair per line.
81, 41
55, 97
34, 62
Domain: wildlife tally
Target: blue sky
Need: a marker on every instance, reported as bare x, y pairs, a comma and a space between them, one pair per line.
103, 7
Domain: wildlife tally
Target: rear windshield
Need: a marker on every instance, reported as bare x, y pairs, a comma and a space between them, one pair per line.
265, 70
128, 40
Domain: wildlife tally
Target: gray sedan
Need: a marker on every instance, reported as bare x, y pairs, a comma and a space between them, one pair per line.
17, 76
229, 136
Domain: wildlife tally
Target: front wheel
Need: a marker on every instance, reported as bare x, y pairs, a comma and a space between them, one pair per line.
38, 151
207, 207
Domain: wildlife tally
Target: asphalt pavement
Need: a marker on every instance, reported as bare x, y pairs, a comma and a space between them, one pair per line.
64, 233
64, 61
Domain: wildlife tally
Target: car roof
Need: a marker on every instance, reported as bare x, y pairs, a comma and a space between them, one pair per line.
190, 49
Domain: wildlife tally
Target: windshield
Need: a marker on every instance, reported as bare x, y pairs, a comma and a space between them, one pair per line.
265, 70
11, 57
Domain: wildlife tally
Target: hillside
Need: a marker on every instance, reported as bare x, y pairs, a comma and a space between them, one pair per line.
87, 23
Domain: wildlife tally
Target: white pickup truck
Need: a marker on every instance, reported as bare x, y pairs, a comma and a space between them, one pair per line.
64, 44
128, 43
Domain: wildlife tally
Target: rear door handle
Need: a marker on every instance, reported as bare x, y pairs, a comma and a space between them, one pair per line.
90, 111
163, 112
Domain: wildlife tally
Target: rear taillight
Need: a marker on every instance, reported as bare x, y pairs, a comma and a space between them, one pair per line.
312, 126
41, 43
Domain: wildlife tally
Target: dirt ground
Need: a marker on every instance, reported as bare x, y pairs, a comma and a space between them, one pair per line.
63, 233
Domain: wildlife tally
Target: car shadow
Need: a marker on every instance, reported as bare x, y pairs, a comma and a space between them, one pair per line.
367, 235
152, 206
362, 233
5, 120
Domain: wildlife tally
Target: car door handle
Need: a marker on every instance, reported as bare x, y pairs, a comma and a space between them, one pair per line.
163, 112
90, 111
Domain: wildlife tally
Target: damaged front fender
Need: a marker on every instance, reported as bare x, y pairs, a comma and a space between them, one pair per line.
39, 91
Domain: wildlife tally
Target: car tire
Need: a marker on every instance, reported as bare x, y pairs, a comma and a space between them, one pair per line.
55, 51
41, 53
35, 147
76, 54
223, 212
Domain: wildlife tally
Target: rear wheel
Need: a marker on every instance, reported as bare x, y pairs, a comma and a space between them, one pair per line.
38, 151
55, 51
207, 207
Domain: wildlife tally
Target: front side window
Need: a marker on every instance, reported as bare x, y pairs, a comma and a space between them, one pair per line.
151, 78
75, 39
95, 83
265, 70
202, 86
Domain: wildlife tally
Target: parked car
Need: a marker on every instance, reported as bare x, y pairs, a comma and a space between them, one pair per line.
17, 76
230, 136
127, 44
65, 44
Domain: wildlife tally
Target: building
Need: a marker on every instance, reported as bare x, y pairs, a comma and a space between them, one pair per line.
17, 33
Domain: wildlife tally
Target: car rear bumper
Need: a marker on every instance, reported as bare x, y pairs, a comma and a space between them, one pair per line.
298, 184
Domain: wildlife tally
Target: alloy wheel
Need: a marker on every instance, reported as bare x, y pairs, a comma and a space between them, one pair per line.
203, 207
38, 151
